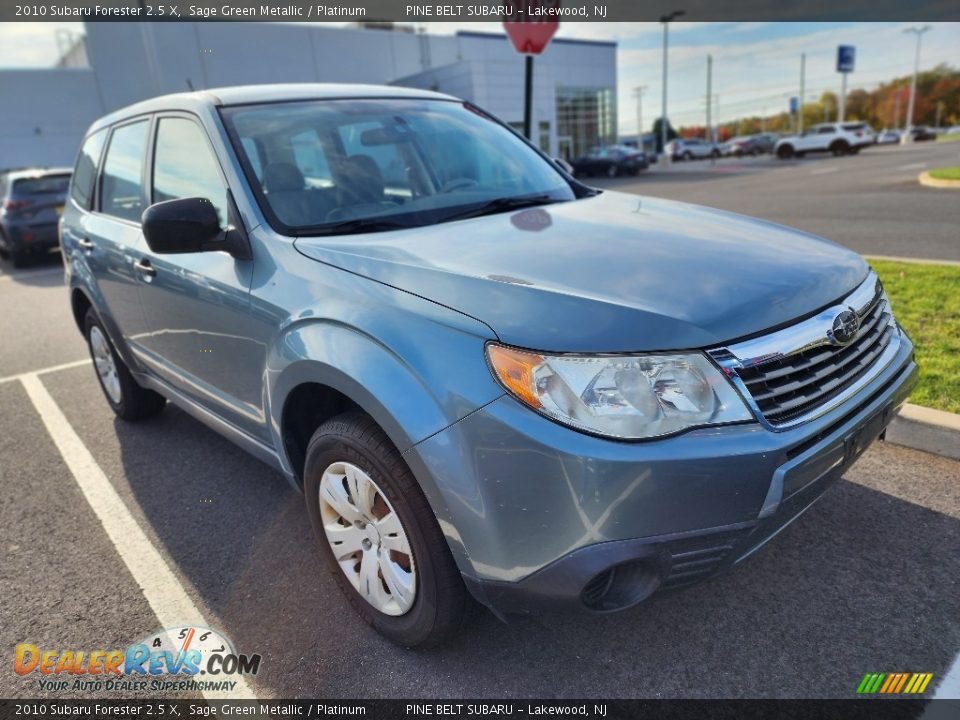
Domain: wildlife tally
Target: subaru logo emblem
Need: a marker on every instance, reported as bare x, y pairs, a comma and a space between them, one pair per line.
845, 327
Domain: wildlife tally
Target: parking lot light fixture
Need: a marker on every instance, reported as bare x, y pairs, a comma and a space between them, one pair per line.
665, 21
907, 136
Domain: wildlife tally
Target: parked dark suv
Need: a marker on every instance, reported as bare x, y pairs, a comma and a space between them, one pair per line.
487, 379
31, 201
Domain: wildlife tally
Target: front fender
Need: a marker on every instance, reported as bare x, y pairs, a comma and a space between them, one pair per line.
411, 396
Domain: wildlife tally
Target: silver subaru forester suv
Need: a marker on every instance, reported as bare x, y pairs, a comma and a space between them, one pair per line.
489, 380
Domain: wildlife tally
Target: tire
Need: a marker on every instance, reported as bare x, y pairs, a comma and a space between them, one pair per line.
338, 449
839, 148
18, 258
688, 155
785, 152
715, 154
613, 171
126, 398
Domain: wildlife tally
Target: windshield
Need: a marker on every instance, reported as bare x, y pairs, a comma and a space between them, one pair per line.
364, 165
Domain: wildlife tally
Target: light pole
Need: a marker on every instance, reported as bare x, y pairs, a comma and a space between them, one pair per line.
638, 93
907, 137
665, 20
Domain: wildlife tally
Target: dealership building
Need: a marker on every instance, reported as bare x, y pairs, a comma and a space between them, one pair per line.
45, 111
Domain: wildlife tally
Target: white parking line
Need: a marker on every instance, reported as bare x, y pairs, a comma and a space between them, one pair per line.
913, 166
949, 687
823, 171
160, 586
44, 371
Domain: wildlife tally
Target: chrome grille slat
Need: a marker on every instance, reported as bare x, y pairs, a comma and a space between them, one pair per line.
783, 410
762, 389
796, 373
811, 358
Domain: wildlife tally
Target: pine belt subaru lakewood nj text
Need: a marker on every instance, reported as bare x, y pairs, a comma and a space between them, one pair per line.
488, 379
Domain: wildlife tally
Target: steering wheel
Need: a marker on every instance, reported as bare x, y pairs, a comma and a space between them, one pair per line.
458, 184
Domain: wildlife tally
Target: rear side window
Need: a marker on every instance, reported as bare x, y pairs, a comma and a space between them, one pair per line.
184, 166
46, 185
121, 186
85, 173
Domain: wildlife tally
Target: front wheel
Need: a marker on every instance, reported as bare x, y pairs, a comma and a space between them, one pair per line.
839, 148
378, 535
126, 398
785, 152
613, 171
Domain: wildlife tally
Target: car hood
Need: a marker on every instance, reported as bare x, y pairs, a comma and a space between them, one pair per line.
608, 273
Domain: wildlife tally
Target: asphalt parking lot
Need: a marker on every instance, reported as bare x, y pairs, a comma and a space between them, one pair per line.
868, 580
870, 202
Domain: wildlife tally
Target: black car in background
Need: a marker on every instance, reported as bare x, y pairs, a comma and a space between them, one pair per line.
611, 161
31, 201
758, 144
921, 133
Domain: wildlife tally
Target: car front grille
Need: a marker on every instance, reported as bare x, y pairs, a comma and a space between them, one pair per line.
792, 386
792, 373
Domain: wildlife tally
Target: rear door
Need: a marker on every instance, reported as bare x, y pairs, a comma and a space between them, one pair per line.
201, 337
109, 238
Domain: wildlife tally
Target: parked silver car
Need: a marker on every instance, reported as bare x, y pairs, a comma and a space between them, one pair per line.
487, 379
692, 149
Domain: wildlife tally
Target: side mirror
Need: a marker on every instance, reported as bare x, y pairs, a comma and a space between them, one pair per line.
190, 225
180, 226
564, 165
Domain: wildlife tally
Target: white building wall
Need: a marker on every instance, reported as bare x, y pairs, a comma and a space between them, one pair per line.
134, 61
43, 114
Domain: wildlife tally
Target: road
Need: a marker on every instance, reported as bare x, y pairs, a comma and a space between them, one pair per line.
870, 202
868, 580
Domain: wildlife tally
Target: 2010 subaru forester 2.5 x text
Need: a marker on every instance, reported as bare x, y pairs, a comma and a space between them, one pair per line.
488, 379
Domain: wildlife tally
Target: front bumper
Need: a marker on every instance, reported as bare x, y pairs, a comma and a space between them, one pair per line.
540, 516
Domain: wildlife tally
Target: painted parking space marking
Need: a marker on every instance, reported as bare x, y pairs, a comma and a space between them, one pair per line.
44, 371
159, 584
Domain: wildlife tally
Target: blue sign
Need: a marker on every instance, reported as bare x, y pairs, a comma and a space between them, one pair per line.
845, 57
794, 104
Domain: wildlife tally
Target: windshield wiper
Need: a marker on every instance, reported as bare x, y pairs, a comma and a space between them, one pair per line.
502, 204
357, 225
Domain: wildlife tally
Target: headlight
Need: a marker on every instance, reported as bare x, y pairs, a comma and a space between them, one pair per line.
640, 396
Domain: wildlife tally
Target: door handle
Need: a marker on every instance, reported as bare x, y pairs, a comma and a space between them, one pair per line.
85, 244
144, 266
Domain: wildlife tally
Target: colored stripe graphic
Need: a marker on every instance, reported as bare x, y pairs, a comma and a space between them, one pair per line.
894, 683
891, 681
903, 679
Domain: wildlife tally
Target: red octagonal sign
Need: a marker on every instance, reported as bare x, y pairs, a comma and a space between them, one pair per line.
530, 35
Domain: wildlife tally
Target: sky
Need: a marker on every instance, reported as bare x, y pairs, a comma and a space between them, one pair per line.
756, 65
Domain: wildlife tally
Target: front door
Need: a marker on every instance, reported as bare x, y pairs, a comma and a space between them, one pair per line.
197, 304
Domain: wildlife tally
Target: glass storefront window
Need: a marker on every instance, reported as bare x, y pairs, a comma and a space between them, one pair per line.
586, 117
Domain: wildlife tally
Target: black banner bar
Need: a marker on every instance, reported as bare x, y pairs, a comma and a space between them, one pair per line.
854, 709
464, 11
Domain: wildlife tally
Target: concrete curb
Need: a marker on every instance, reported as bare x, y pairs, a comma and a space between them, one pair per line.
932, 431
925, 179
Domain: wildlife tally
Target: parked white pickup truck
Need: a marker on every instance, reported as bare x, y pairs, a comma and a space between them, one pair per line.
837, 138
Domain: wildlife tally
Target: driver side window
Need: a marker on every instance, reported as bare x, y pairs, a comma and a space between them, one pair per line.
184, 166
